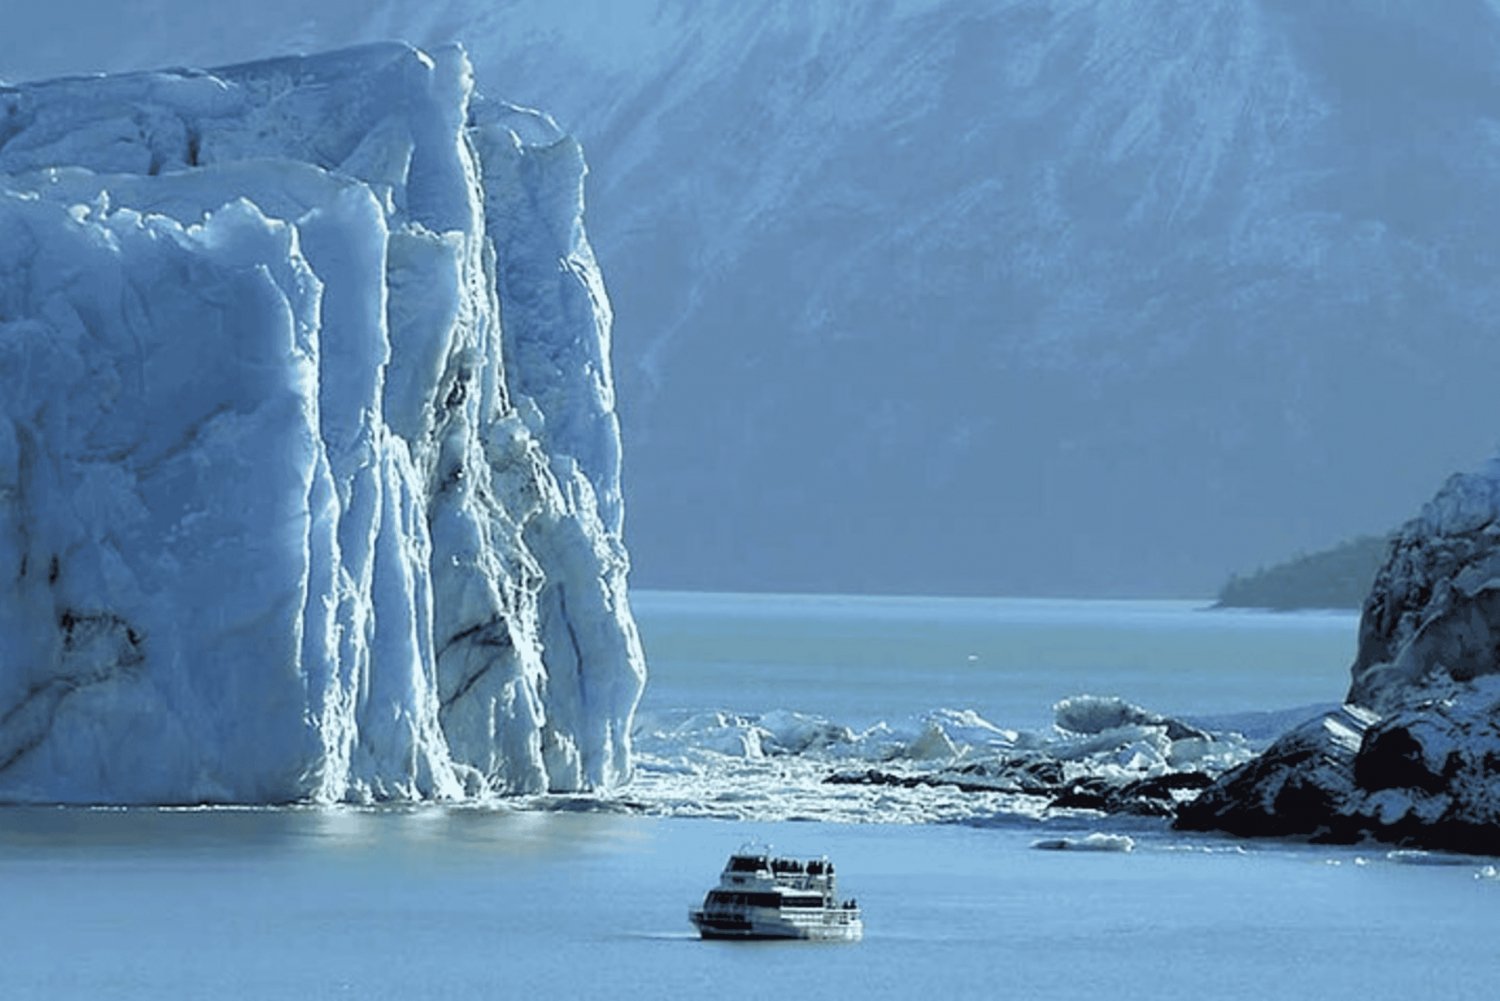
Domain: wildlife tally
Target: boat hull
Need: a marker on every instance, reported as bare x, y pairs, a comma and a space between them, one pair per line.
834, 926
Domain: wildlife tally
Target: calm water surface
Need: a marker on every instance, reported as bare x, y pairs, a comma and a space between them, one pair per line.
859, 659
478, 903
481, 904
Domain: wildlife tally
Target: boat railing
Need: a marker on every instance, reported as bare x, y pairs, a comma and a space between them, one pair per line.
802, 881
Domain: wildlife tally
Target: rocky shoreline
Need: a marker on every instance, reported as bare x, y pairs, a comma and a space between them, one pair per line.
1413, 756
1152, 796
1422, 777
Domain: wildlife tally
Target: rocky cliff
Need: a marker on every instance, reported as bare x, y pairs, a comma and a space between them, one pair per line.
1414, 755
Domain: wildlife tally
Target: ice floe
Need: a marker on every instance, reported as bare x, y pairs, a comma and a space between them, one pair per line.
1100, 755
1096, 842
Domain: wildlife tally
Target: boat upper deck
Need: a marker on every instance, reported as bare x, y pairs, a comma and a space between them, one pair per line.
748, 869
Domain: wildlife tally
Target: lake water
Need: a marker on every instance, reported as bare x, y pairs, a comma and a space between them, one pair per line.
507, 903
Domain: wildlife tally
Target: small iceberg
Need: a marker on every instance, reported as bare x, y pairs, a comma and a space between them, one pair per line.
1415, 856
1092, 843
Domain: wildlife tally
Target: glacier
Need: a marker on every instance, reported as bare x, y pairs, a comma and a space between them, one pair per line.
309, 461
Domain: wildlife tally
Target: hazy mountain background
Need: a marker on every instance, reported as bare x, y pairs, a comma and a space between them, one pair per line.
1083, 296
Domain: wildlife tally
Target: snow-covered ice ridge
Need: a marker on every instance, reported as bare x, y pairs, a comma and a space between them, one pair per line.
309, 466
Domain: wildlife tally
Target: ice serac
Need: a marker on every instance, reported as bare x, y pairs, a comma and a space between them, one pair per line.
309, 467
1414, 754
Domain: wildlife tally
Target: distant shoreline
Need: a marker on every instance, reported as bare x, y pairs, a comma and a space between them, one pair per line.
1336, 578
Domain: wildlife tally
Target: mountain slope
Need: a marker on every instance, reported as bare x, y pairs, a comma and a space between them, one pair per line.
1103, 296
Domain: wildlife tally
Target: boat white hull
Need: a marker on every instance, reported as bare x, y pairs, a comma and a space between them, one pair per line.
837, 925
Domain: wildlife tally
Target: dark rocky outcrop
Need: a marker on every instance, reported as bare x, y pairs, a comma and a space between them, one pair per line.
1413, 757
1108, 791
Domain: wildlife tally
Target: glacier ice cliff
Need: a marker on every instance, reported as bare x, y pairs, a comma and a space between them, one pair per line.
1413, 756
309, 464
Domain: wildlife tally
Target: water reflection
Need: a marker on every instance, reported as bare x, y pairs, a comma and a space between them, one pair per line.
485, 829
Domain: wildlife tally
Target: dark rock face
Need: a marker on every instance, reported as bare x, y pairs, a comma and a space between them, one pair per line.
1434, 610
1392, 757
1151, 796
1427, 777
1295, 788
1413, 758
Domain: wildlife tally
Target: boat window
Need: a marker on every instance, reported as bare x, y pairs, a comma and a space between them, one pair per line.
730, 898
746, 863
723, 898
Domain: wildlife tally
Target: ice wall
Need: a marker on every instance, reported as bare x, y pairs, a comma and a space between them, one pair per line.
309, 468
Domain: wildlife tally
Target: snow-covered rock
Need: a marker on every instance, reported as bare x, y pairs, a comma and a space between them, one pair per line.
1414, 755
309, 468
1433, 614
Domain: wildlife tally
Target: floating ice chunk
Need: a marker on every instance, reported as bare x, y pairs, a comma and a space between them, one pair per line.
800, 733
1138, 747
947, 764
1416, 856
1096, 842
967, 727
932, 744
718, 732
1209, 849
1092, 714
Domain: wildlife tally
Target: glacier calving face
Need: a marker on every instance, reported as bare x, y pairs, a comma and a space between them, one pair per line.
309, 468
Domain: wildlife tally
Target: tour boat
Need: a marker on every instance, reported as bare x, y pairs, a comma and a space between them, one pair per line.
765, 896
